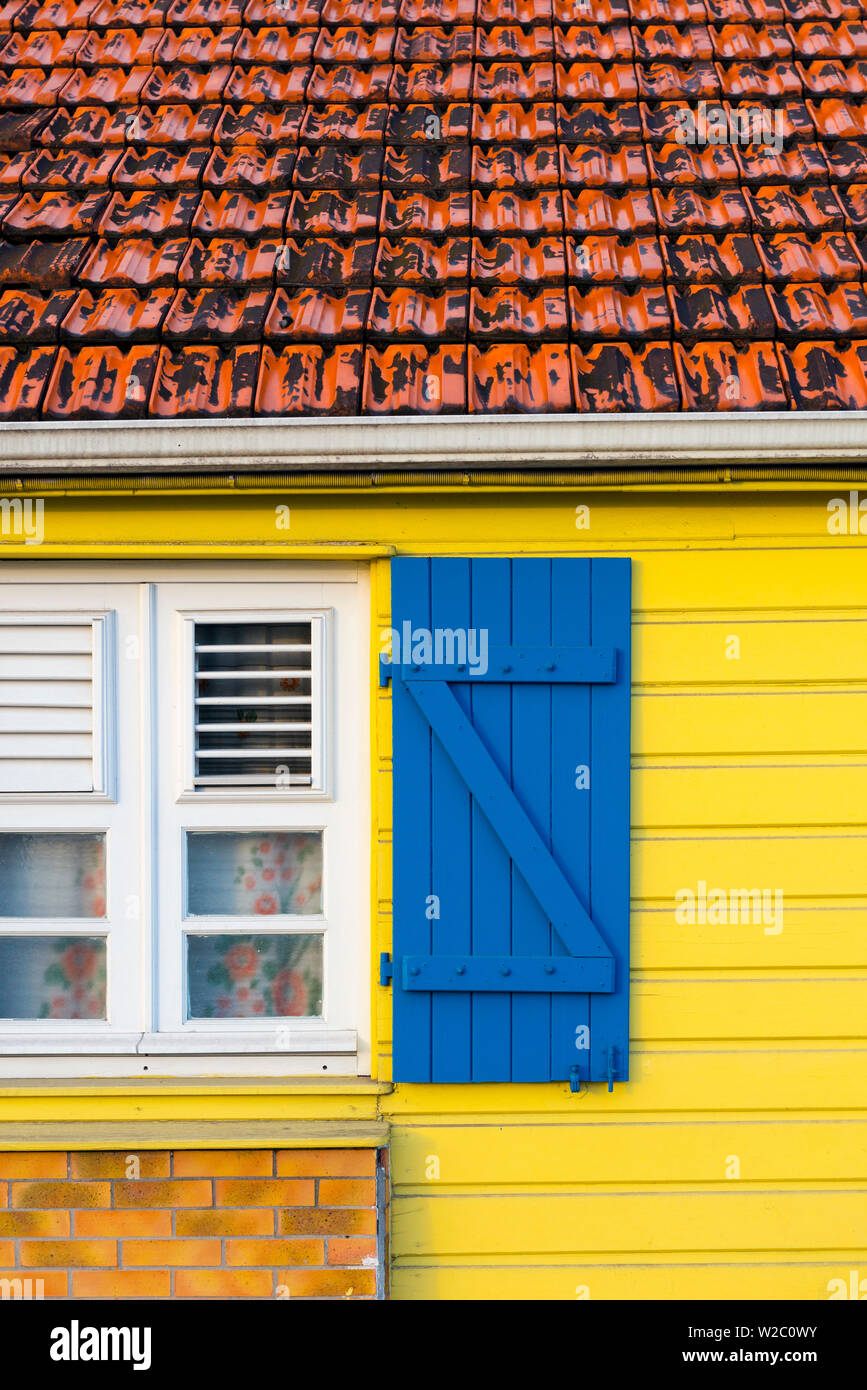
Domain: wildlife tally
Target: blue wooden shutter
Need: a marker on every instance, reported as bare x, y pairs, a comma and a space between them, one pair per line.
511, 884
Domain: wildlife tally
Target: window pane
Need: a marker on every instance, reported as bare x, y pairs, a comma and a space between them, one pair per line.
254, 976
52, 875
259, 874
52, 977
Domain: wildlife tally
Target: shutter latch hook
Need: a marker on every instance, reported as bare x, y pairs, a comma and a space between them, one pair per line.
575, 1079
611, 1071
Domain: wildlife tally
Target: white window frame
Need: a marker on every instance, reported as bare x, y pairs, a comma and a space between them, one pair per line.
155, 752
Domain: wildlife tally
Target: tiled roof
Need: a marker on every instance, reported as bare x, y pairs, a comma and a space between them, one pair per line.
290, 207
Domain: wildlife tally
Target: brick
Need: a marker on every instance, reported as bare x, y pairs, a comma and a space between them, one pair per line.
278, 1192
54, 1281
120, 1224
32, 1166
351, 1251
122, 1283
170, 1252
162, 1194
7, 1252
34, 1223
343, 1192
325, 1221
75, 1253
117, 1165
60, 1194
257, 1221
328, 1283
326, 1163
274, 1252
224, 1283
224, 1163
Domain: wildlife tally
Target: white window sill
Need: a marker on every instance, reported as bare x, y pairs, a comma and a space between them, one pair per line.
249, 1051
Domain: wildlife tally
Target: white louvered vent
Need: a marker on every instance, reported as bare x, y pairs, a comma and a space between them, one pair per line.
254, 703
47, 706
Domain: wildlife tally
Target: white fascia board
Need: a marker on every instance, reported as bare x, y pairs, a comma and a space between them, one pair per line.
459, 442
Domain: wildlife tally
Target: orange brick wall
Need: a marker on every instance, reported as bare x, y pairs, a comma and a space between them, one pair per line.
246, 1223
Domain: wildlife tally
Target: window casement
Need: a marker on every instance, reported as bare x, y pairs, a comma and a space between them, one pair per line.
184, 815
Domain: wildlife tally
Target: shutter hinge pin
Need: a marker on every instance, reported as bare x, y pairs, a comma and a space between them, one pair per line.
575, 1079
386, 969
384, 668
611, 1070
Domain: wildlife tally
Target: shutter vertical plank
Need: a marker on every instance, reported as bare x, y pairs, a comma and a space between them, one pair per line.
413, 1040
531, 780
492, 868
570, 808
610, 614
452, 846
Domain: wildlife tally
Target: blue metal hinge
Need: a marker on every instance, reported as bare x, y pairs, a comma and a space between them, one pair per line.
386, 969
384, 668
611, 1070
575, 1079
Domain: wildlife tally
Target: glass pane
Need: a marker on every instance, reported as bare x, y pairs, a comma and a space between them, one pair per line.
254, 976
52, 875
253, 875
52, 977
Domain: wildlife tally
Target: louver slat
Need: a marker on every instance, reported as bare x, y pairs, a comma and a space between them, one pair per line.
46, 707
253, 704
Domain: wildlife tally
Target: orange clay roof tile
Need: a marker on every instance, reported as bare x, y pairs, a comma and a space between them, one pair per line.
290, 207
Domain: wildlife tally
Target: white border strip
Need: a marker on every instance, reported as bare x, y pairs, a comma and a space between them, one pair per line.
458, 441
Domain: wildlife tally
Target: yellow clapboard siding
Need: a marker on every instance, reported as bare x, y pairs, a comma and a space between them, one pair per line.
778, 795
628, 1153
667, 1080
771, 1220
795, 722
747, 648
813, 935
633, 1277
811, 864
804, 1007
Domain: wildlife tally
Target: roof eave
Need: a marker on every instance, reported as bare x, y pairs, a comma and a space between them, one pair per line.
443, 442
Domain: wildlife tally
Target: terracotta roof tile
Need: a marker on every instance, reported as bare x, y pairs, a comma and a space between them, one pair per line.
621, 377
422, 206
330, 166
202, 381
95, 382
824, 376
33, 318
23, 377
513, 312
305, 380
116, 315
311, 315
609, 312
220, 316
724, 376
608, 260
520, 378
721, 311
415, 379
229, 261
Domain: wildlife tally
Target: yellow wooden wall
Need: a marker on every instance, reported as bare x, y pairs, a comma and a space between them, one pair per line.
732, 1165
748, 1049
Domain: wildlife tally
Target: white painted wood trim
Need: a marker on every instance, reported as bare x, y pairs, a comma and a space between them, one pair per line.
444, 441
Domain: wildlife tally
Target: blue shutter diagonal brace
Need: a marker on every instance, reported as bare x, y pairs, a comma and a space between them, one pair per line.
512, 824
511, 886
